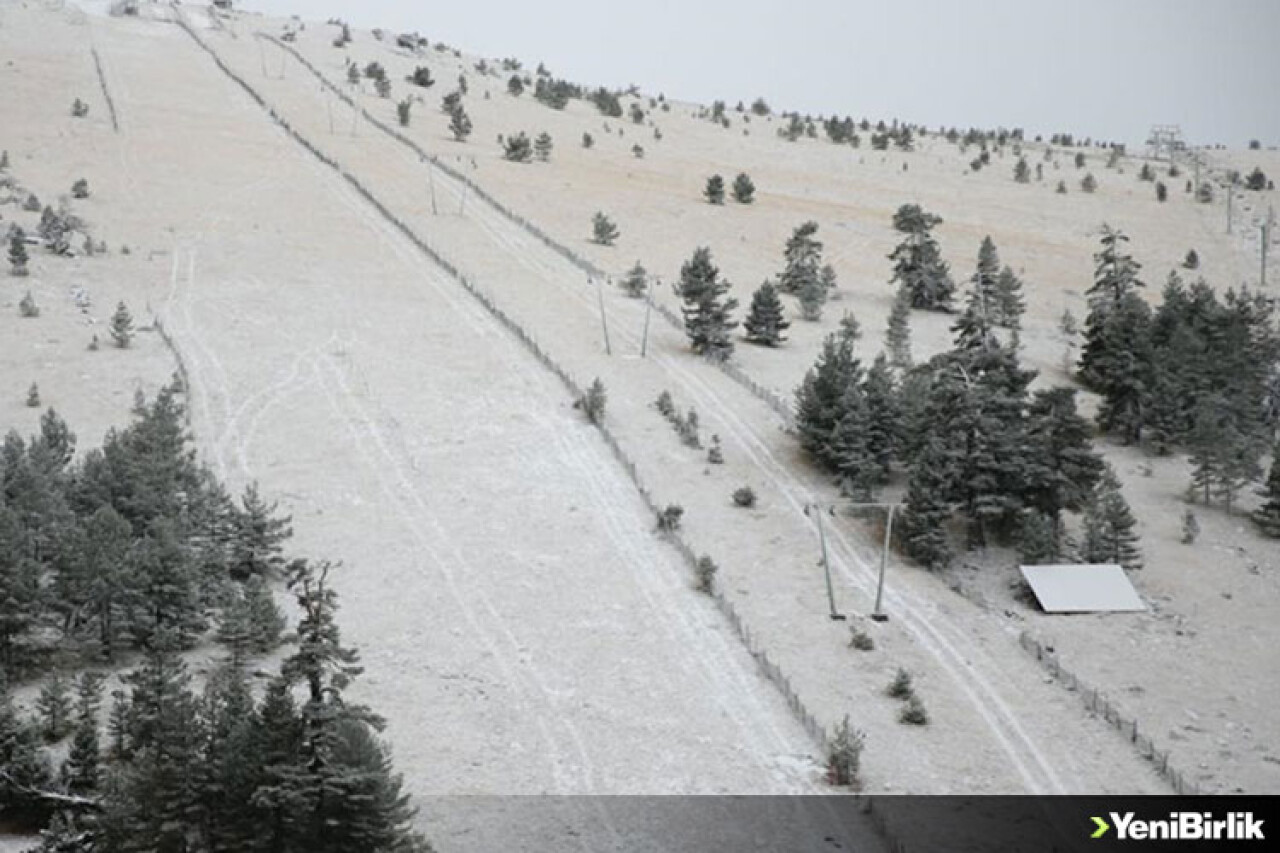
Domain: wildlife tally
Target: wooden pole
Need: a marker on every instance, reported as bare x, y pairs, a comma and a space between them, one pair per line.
431, 177
604, 322
648, 309
825, 562
878, 613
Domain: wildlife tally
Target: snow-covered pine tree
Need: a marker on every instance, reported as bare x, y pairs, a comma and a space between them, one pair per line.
1109, 535
917, 262
766, 320
706, 309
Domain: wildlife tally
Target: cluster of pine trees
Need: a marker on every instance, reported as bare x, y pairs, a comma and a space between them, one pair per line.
134, 552
974, 443
1196, 373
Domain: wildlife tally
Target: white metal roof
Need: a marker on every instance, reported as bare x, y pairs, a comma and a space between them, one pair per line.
1083, 588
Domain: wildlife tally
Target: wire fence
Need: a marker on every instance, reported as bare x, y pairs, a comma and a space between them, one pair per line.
183, 377
106, 92
1096, 703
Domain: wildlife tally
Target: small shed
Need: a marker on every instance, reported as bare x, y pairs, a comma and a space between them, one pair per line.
1088, 588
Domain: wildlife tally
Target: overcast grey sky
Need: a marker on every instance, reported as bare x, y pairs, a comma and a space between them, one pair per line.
1103, 68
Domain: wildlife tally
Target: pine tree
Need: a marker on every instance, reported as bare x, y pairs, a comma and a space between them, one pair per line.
1088, 183
821, 397
169, 598
82, 771
898, 336
118, 726
22, 601
857, 470
918, 266
1021, 172
1225, 447
106, 585
1267, 516
844, 759
160, 797
1190, 527
235, 758
812, 296
1037, 540
744, 190
515, 86
518, 148
18, 258
925, 517
884, 416
802, 256
542, 146
54, 706
706, 310
337, 792
974, 328
404, 112
1064, 470
1109, 535
122, 326
604, 231
26, 770
459, 123
1011, 305
1123, 365
260, 534
714, 191
766, 320
636, 282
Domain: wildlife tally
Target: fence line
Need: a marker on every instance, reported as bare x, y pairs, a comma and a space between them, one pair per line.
182, 364
1096, 703
106, 93
733, 371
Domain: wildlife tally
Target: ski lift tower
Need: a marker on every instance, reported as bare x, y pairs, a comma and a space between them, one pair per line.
1165, 142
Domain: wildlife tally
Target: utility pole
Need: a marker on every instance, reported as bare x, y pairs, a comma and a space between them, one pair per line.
836, 615
648, 309
604, 322
431, 177
878, 614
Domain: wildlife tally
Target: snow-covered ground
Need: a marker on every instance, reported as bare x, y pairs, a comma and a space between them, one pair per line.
523, 629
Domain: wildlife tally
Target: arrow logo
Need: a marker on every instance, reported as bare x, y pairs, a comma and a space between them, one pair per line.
1103, 826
